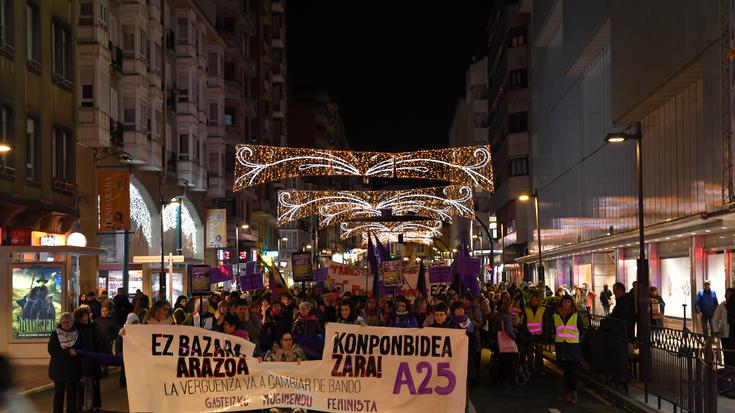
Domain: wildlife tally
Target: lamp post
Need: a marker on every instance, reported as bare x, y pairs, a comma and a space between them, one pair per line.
525, 198
643, 300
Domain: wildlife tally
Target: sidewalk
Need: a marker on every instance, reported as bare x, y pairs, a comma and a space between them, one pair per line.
31, 378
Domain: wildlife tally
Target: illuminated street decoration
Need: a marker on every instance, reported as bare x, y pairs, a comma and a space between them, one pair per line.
333, 207
188, 227
428, 228
258, 164
139, 213
408, 238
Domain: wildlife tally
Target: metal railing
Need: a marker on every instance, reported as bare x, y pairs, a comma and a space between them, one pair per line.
683, 369
606, 349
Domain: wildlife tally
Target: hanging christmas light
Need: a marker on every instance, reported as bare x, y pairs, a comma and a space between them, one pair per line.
427, 228
258, 164
333, 207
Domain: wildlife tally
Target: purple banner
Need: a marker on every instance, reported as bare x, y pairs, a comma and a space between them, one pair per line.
440, 275
252, 282
250, 267
220, 273
468, 265
320, 274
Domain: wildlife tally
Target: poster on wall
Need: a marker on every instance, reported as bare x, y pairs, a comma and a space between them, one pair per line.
35, 301
216, 228
301, 266
114, 192
200, 280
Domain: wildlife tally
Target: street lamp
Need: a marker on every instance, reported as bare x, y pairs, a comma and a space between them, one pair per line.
642, 262
4, 147
524, 198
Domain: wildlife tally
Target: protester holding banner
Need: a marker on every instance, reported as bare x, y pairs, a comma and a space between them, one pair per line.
160, 313
460, 320
231, 326
90, 341
65, 366
402, 316
285, 349
348, 315
277, 322
131, 319
372, 315
140, 306
421, 310
440, 317
248, 321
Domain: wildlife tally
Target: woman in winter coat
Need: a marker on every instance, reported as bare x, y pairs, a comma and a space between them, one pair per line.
721, 328
568, 329
503, 321
160, 313
90, 340
347, 315
307, 324
285, 350
65, 367
402, 316
372, 315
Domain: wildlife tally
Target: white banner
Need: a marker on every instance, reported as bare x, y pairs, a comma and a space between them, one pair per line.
364, 369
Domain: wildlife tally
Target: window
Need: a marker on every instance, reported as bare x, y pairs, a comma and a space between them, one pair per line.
103, 16
182, 32
7, 159
87, 96
518, 79
519, 166
33, 150
230, 71
229, 116
128, 41
7, 43
518, 122
517, 36
143, 50
33, 39
213, 64
198, 150
228, 25
145, 118
184, 147
214, 114
183, 87
62, 54
86, 13
129, 112
62, 154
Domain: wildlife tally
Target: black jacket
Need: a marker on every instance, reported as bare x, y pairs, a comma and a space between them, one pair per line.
625, 310
90, 340
108, 330
122, 307
63, 366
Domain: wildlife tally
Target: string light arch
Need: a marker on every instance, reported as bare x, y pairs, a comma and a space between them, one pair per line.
332, 207
258, 164
428, 228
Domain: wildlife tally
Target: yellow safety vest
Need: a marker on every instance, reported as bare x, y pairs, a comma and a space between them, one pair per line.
566, 332
535, 322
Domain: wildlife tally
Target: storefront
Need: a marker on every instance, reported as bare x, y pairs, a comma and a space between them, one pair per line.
43, 283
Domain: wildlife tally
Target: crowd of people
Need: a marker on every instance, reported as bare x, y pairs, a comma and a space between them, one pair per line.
289, 327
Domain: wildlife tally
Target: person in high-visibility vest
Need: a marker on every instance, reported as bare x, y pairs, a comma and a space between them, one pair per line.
538, 322
568, 329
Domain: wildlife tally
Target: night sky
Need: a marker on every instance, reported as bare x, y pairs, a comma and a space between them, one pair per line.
395, 68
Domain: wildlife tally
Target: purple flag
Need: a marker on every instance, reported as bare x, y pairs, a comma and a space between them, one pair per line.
372, 260
251, 282
382, 251
440, 274
320, 274
421, 284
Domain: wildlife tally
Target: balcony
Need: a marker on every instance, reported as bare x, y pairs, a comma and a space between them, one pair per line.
215, 129
189, 171
279, 108
480, 136
216, 188
94, 128
215, 82
185, 48
63, 186
154, 160
279, 72
135, 142
479, 106
233, 90
184, 105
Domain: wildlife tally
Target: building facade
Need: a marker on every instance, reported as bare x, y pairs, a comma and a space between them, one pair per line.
600, 68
